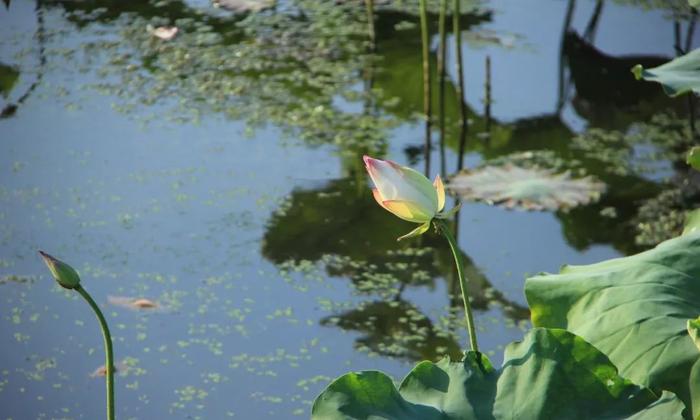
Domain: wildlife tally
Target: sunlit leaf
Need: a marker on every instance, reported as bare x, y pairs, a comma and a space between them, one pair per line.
527, 188
692, 222
550, 374
677, 77
694, 331
633, 309
693, 157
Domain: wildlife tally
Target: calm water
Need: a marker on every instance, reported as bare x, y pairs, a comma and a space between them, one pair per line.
247, 217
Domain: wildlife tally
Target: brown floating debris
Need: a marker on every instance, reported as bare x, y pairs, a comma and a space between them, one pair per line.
244, 5
166, 33
101, 371
132, 303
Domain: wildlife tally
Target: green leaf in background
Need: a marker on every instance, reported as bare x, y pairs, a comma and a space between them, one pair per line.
633, 309
692, 222
694, 3
677, 77
693, 157
8, 78
551, 374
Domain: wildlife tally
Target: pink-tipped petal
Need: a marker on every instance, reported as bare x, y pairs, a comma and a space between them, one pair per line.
440, 189
378, 197
398, 183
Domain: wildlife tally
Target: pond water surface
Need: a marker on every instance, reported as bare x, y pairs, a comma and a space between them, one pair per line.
219, 175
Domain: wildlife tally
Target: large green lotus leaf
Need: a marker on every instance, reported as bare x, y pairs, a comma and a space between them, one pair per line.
634, 309
551, 374
677, 77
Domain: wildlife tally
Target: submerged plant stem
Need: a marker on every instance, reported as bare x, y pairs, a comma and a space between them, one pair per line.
445, 230
369, 5
441, 81
460, 86
427, 109
109, 356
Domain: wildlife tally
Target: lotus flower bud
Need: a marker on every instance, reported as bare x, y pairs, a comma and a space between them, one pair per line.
64, 274
404, 191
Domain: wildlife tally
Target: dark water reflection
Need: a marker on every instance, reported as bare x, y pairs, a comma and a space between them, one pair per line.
241, 204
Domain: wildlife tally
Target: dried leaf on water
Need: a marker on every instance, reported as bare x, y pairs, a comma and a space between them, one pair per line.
132, 303
166, 33
244, 5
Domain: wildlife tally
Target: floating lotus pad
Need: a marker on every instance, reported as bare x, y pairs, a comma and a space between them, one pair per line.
527, 188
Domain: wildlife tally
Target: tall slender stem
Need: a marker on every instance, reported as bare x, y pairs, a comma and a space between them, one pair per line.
369, 4
427, 109
487, 94
456, 14
691, 95
592, 27
689, 33
563, 83
11, 108
691, 115
445, 230
442, 49
109, 356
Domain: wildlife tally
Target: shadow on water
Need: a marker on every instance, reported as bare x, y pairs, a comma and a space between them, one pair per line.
606, 95
340, 219
396, 329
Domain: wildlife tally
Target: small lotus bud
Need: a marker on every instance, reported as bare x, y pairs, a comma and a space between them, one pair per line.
64, 274
405, 192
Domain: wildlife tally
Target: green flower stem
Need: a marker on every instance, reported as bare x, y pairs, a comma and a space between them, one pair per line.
445, 230
109, 356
